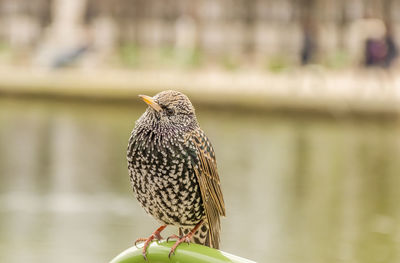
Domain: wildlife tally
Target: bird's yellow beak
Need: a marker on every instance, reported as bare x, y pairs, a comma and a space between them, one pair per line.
149, 101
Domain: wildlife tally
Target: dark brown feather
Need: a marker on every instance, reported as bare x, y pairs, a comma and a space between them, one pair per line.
210, 187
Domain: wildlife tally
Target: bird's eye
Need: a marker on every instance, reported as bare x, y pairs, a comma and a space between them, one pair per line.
169, 111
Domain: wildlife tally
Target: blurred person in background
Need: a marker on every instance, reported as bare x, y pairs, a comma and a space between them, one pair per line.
380, 47
309, 45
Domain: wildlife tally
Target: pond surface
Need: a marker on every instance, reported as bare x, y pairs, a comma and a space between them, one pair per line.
296, 189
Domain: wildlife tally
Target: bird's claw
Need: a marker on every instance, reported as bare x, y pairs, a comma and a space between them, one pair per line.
156, 235
146, 244
174, 237
139, 240
184, 239
144, 255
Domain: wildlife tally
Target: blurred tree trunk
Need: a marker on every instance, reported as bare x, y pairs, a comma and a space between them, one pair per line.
308, 16
387, 11
194, 13
342, 23
249, 19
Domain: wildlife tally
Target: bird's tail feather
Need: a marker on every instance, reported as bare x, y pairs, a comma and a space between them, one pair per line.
202, 236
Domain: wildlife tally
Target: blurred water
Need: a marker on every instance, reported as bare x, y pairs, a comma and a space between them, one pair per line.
296, 189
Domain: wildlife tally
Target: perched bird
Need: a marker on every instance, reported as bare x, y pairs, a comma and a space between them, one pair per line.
173, 171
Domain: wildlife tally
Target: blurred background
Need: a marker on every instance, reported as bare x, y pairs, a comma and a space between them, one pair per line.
300, 99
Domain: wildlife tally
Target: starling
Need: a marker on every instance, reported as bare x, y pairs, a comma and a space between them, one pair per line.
173, 171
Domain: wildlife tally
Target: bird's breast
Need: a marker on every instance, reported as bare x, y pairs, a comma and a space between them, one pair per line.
163, 179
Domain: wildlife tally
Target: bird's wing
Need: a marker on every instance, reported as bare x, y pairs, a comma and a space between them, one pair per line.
207, 176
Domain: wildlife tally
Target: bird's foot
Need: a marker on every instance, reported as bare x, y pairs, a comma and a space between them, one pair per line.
182, 239
156, 235
185, 238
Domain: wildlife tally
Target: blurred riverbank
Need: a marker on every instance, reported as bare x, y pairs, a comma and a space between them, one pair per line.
311, 89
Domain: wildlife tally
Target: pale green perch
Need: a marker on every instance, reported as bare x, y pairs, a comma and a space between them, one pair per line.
158, 252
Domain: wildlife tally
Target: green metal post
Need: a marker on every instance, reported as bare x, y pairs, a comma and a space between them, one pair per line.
158, 252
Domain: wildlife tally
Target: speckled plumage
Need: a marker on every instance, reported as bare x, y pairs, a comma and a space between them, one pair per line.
173, 170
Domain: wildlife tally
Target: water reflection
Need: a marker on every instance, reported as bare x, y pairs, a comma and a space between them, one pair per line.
296, 189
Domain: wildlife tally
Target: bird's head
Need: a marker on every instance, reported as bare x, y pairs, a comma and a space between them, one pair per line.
169, 109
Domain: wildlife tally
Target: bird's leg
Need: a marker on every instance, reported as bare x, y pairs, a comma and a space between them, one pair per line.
156, 234
185, 238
